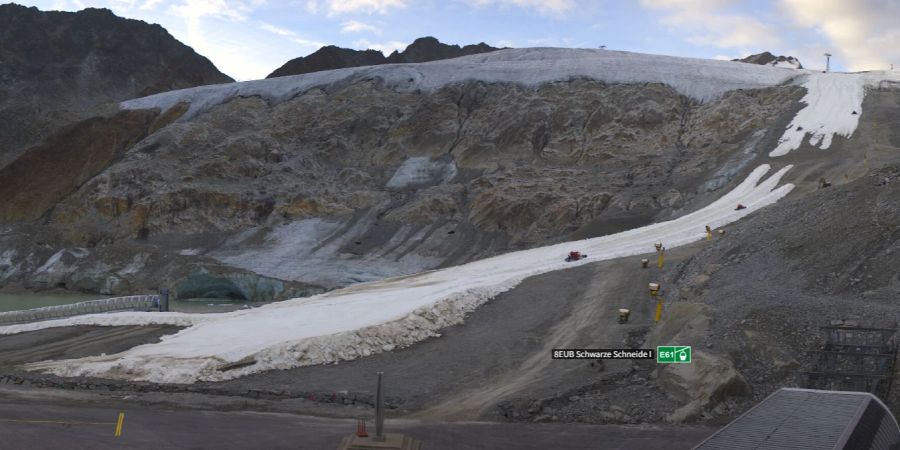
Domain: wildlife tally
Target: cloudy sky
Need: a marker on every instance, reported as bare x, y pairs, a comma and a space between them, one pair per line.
248, 39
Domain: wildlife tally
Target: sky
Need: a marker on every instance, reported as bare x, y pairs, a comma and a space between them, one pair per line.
248, 39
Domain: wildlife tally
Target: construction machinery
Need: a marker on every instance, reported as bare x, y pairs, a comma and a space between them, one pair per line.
575, 256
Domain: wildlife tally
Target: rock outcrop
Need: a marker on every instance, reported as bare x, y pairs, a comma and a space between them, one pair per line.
58, 68
332, 57
766, 58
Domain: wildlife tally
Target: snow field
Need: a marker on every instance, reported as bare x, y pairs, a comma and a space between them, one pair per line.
373, 317
831, 98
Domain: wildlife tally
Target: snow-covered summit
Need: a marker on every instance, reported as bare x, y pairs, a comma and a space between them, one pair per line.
701, 79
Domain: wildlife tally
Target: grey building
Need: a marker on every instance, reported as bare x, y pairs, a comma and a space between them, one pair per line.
811, 419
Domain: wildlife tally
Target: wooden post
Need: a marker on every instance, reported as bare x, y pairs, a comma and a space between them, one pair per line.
662, 255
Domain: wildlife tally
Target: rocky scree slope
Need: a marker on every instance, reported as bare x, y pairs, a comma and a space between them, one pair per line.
332, 57
57, 68
359, 181
777, 277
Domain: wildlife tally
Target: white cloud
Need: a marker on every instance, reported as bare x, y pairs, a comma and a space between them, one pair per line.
193, 10
362, 6
353, 26
707, 26
292, 36
63, 5
542, 6
864, 33
551, 42
150, 4
385, 47
229, 50
277, 30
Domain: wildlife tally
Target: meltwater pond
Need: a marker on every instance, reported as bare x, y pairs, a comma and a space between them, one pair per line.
29, 300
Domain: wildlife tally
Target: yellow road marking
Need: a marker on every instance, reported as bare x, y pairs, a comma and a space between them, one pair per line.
119, 424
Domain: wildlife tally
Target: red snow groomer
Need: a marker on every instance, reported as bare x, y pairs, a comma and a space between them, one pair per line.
575, 256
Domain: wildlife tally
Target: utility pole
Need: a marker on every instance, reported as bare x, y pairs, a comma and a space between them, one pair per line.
827, 62
381, 441
379, 411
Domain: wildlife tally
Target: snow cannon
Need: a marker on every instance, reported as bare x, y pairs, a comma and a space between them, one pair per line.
645, 262
654, 289
623, 315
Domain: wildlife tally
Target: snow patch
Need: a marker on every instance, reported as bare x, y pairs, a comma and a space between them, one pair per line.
52, 262
422, 170
309, 251
789, 63
378, 316
833, 106
137, 263
7, 268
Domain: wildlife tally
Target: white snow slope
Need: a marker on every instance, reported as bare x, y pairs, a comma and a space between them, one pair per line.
373, 317
831, 100
701, 79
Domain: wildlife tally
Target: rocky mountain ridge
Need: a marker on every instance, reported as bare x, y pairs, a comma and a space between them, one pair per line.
331, 57
57, 68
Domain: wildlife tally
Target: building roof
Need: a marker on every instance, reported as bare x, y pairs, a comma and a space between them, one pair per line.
804, 418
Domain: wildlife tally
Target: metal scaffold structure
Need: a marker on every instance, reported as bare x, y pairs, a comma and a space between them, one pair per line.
855, 358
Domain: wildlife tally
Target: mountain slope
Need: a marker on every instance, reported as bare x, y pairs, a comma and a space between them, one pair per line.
59, 67
475, 156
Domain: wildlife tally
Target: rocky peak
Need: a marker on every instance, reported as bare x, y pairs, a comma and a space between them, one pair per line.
766, 58
423, 49
427, 48
61, 67
328, 58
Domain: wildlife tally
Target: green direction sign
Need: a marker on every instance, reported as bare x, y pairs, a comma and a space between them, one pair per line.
673, 354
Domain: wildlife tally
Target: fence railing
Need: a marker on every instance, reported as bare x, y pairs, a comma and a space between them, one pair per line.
154, 302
